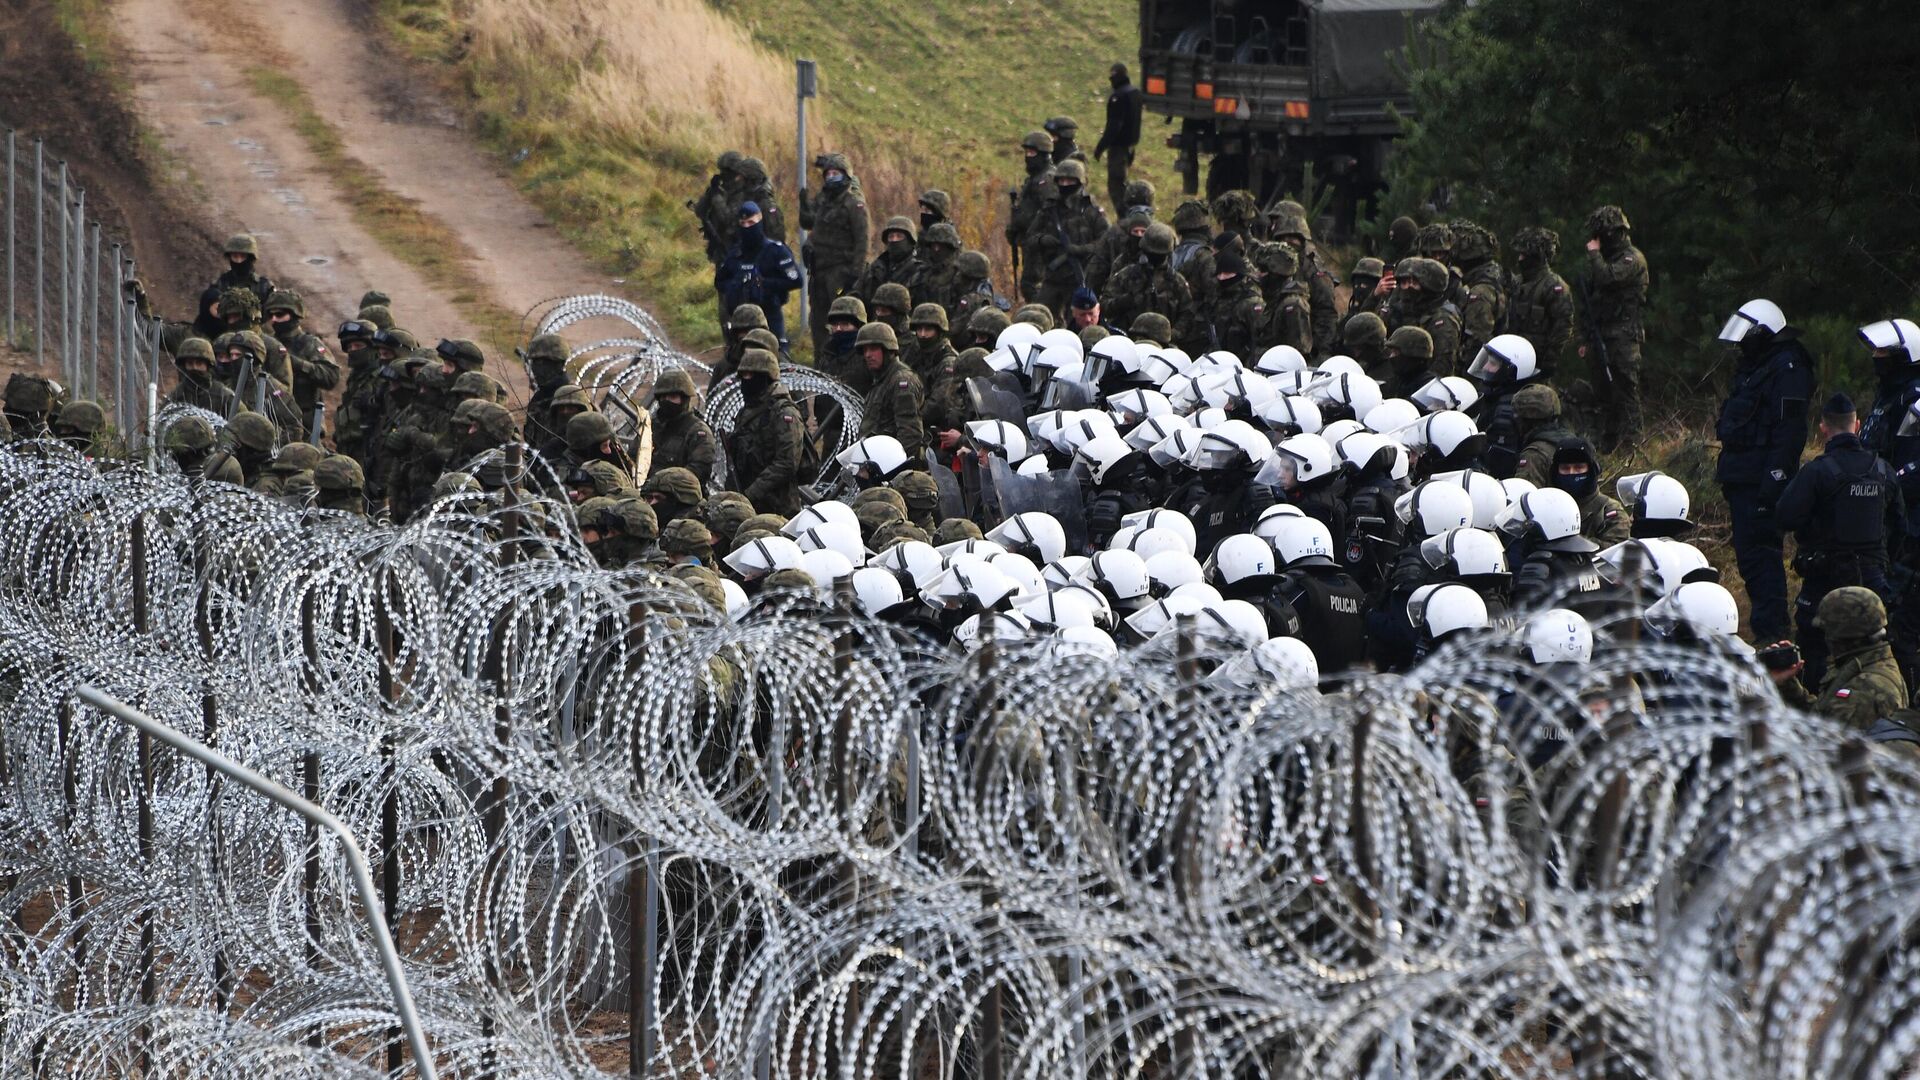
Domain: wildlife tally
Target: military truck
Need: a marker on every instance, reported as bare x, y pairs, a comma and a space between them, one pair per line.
1266, 87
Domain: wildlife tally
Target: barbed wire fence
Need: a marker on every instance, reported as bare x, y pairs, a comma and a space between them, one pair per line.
66, 305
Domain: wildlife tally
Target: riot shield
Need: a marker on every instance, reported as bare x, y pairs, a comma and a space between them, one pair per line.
997, 397
1057, 493
953, 500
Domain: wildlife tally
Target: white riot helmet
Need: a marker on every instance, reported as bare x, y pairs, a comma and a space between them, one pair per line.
1002, 438
1060, 610
1154, 429
914, 560
1273, 517
1175, 448
737, 599
1240, 557
1447, 392
1235, 442
1032, 466
1434, 507
1558, 636
1064, 571
1279, 360
1132, 406
1169, 570
978, 584
1026, 576
1446, 434
1506, 352
1150, 620
1295, 415
1658, 502
1704, 607
1515, 487
1235, 621
875, 590
990, 626
829, 512
1222, 390
1218, 360
1446, 608
1303, 459
1489, 495
1363, 449
1147, 543
761, 557
1117, 352
1017, 335
1277, 663
1340, 429
1121, 576
1087, 641
882, 453
826, 567
835, 536
1102, 454
1549, 513
1390, 415
1338, 365
1754, 314
1666, 563
1183, 391
1159, 365
1163, 518
1303, 541
1472, 555
1358, 393
1033, 531
1896, 335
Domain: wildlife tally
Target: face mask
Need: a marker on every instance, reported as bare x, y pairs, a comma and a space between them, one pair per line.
1037, 164
1577, 486
940, 255
836, 180
928, 219
755, 387
671, 410
842, 340
900, 249
1117, 81
1068, 191
1155, 259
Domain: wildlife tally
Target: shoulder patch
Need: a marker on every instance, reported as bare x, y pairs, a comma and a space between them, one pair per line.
1843, 692
903, 384
789, 418
1559, 289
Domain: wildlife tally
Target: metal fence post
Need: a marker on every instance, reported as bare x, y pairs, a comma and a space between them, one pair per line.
93, 316
13, 206
39, 252
66, 258
119, 344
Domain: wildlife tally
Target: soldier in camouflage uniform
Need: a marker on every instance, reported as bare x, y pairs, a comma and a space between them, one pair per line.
1408, 356
245, 373
1616, 297
189, 442
949, 405
1435, 242
240, 309
1294, 231
973, 293
756, 187
891, 305
1121, 246
1150, 284
80, 424
1066, 135
338, 484
740, 322
836, 249
921, 496
618, 532
1064, 235
839, 359
1541, 307
314, 370
1365, 280
1290, 316
289, 461
929, 348
590, 438
936, 206
1420, 299
685, 541
894, 404
415, 448
1485, 312
1537, 421
722, 513
673, 493
895, 264
681, 439
1028, 200
363, 400
1862, 683
249, 441
1238, 313
936, 278
1364, 337
568, 402
765, 445
985, 327
1193, 251
546, 357
242, 272
1575, 469
714, 208
597, 478
197, 386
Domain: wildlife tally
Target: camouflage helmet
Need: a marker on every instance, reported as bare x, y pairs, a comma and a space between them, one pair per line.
833, 161
193, 348
685, 536
339, 473
704, 583
676, 381
937, 201
1152, 326
629, 516
378, 315
242, 244
571, 396
429, 377
1473, 244
747, 317
1402, 231
463, 413
847, 307
942, 232
1430, 274
1607, 219
877, 333
587, 431
252, 431
1037, 314
728, 161
250, 342
875, 514
1367, 328
1071, 169
900, 224
788, 580
1235, 209
893, 295
1536, 402
771, 523
287, 300
1370, 268
895, 531
476, 385
1287, 208
1277, 258
1058, 125
374, 296
1535, 240
929, 315
882, 494
296, 457
677, 483
725, 516
954, 530
455, 483
1412, 341
80, 418
918, 489
1435, 237
603, 477
189, 433
752, 170
1293, 225
402, 342
1139, 193
238, 301
761, 338
1093, 334
1159, 240
493, 419
989, 321
464, 355
758, 362
1037, 140
1192, 214
1851, 613
547, 347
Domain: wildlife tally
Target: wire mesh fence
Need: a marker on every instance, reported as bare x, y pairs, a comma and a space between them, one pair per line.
65, 278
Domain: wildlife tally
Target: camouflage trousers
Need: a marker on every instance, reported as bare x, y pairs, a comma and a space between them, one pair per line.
1619, 390
1118, 159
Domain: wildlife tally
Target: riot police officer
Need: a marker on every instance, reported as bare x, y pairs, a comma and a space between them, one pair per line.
1762, 430
1845, 508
